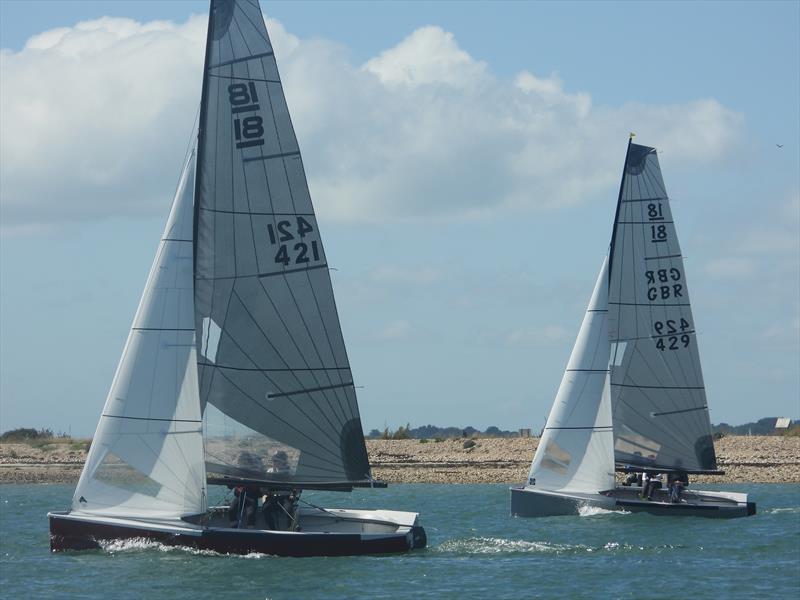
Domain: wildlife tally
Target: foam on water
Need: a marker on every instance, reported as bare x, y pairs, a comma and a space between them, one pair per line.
593, 511
144, 544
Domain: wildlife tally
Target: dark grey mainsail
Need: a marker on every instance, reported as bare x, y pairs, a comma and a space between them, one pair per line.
274, 374
658, 399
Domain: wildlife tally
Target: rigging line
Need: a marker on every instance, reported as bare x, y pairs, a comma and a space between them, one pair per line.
335, 464
151, 419
300, 352
295, 404
238, 60
287, 369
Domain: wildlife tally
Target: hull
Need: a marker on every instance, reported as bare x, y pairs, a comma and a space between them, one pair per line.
527, 502
336, 533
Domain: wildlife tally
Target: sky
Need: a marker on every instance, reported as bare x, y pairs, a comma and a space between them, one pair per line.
464, 161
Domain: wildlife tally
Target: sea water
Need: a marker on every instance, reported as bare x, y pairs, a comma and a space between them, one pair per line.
475, 550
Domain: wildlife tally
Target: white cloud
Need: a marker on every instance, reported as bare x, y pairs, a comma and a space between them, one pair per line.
95, 119
396, 330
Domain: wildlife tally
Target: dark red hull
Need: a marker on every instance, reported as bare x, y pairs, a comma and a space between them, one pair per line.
76, 534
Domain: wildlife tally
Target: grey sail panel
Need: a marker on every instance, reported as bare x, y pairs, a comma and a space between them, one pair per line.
658, 398
271, 356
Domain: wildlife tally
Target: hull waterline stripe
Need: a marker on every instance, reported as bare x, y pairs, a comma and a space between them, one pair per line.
309, 390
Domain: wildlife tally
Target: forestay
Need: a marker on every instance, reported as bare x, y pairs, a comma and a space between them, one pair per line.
576, 451
146, 458
273, 371
659, 403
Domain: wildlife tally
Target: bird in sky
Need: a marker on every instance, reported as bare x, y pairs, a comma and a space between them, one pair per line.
779, 145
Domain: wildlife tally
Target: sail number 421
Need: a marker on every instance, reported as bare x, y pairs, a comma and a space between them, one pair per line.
302, 251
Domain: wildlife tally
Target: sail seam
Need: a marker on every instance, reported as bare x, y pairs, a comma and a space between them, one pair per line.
289, 369
238, 60
278, 81
653, 222
174, 240
650, 304
660, 257
645, 200
162, 329
261, 214
660, 387
590, 370
593, 427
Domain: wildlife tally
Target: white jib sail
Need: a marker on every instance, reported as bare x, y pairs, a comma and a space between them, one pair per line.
576, 451
146, 458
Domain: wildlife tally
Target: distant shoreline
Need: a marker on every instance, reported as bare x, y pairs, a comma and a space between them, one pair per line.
753, 459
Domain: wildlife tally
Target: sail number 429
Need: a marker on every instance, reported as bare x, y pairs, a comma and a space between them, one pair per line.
665, 341
292, 248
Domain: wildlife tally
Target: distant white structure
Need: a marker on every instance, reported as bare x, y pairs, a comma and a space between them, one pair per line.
782, 423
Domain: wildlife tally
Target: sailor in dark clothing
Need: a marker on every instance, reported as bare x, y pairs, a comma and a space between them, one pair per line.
676, 482
242, 509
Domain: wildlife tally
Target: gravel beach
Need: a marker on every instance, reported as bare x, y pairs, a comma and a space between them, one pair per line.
756, 459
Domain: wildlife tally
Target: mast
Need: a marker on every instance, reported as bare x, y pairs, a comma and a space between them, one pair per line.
619, 204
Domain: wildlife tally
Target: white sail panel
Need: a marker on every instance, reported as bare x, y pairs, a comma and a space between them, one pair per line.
576, 450
658, 396
146, 457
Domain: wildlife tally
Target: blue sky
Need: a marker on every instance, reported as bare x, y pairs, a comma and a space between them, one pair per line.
463, 159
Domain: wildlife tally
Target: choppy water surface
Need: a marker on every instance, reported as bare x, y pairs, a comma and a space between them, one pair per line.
475, 550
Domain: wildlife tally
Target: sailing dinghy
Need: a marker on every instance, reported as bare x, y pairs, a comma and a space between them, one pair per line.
632, 397
235, 374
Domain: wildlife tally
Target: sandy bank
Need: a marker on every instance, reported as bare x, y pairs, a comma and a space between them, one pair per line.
757, 459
